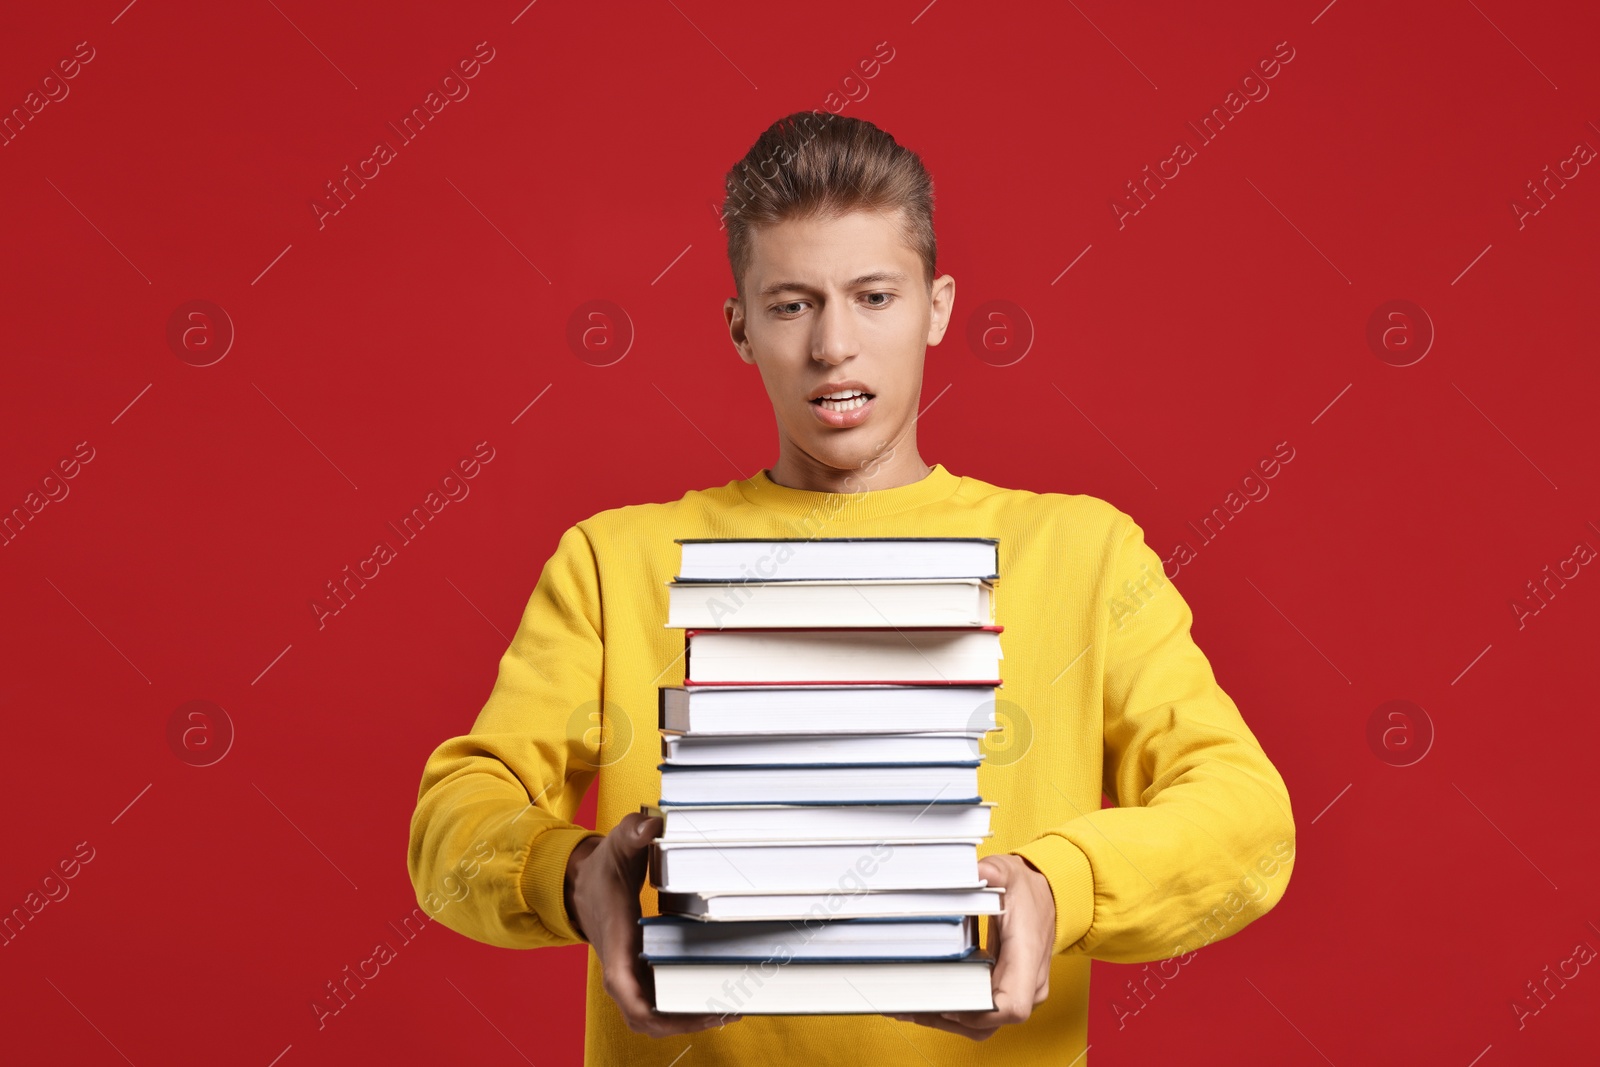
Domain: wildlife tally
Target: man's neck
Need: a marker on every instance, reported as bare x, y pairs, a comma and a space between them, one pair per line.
799, 471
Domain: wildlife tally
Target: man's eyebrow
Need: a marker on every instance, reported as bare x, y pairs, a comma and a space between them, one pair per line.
866, 279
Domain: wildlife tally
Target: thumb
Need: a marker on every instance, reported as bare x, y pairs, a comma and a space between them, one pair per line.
637, 832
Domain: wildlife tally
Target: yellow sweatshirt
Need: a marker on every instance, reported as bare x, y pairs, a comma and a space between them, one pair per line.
1104, 691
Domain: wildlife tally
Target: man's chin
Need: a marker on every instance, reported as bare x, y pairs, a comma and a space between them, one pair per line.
860, 457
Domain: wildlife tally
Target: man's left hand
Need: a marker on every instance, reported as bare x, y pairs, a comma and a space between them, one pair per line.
1022, 937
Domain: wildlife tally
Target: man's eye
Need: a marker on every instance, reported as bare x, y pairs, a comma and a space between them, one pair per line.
887, 299
790, 308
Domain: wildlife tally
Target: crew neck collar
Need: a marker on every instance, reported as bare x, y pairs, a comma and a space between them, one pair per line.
760, 490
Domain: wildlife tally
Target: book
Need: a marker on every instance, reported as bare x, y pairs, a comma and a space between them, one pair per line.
840, 602
821, 820
806, 709
781, 656
904, 937
819, 778
834, 782
781, 559
737, 905
827, 987
947, 747
813, 866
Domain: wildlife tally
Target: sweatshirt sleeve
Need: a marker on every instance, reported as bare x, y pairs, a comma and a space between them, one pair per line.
493, 829
1201, 840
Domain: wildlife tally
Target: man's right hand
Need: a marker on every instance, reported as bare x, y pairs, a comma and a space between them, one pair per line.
604, 876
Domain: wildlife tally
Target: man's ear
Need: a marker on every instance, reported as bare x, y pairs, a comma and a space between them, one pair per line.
733, 314
942, 299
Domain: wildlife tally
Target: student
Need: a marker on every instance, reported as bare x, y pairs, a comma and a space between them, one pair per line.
831, 241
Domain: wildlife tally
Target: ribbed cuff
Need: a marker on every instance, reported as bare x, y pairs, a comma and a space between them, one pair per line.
544, 877
1071, 879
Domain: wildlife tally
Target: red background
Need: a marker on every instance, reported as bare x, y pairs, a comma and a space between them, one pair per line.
375, 351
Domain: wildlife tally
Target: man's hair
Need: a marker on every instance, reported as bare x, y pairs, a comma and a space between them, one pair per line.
818, 165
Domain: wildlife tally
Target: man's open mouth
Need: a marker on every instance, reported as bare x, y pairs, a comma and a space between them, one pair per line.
848, 400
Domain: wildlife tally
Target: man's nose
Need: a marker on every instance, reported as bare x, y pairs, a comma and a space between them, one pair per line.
834, 339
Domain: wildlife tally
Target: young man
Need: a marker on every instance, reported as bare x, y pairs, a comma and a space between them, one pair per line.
831, 241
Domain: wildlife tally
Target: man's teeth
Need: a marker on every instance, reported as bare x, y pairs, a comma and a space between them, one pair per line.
847, 400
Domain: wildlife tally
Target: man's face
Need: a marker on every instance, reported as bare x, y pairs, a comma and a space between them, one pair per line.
839, 301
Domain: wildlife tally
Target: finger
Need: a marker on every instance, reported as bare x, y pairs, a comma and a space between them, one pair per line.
1016, 985
628, 851
668, 1024
936, 1021
634, 830
641, 1014
1014, 998
630, 822
627, 977
658, 1023
645, 1017
623, 984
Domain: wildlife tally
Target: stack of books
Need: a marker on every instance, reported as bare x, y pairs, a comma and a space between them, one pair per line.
819, 778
